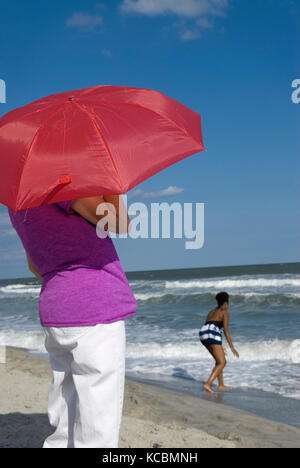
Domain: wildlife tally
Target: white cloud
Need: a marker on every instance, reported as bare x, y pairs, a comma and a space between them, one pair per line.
190, 34
135, 193
204, 23
84, 21
197, 11
188, 8
170, 191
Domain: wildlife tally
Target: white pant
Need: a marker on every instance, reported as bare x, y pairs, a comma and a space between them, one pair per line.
86, 396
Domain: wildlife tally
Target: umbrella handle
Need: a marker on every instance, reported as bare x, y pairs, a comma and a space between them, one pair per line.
55, 187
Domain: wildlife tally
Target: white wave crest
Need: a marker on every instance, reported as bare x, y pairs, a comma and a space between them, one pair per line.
234, 283
278, 350
147, 296
295, 351
32, 340
21, 289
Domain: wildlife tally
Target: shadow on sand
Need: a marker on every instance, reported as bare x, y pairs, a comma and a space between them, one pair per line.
24, 430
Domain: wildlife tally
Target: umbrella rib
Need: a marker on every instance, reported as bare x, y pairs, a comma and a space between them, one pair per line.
41, 109
161, 115
30, 146
104, 142
164, 117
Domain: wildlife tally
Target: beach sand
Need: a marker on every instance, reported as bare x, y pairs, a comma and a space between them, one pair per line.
153, 417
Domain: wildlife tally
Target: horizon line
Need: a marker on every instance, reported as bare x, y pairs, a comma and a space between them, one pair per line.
178, 269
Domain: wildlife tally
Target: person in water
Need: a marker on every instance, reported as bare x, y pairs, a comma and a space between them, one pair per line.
211, 337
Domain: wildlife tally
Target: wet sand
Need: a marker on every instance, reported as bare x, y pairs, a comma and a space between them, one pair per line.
152, 416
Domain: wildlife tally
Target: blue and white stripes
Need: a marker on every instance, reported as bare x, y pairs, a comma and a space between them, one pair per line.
210, 334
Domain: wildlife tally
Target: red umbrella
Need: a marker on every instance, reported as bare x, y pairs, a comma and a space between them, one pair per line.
97, 140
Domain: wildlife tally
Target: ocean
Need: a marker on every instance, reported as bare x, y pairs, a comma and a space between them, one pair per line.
163, 346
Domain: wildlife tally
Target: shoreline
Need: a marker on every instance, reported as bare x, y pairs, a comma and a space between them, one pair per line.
152, 416
271, 406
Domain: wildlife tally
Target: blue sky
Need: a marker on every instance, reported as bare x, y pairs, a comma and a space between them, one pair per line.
232, 61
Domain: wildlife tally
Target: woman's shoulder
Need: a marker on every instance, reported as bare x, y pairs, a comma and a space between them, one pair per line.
215, 315
211, 314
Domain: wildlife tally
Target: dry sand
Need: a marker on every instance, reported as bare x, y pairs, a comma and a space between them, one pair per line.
152, 416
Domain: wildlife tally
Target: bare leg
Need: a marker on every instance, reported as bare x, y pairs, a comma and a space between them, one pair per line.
220, 376
221, 380
222, 387
217, 352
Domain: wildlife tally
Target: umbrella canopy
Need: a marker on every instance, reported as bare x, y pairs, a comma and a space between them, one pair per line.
97, 140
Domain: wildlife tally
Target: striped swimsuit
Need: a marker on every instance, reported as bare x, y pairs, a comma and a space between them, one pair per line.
211, 333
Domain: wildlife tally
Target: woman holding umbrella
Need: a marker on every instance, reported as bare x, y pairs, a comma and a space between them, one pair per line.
56, 155
84, 301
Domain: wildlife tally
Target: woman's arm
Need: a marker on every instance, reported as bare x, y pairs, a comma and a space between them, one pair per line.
31, 267
114, 210
227, 334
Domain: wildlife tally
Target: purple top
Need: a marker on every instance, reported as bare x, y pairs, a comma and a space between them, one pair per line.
83, 282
